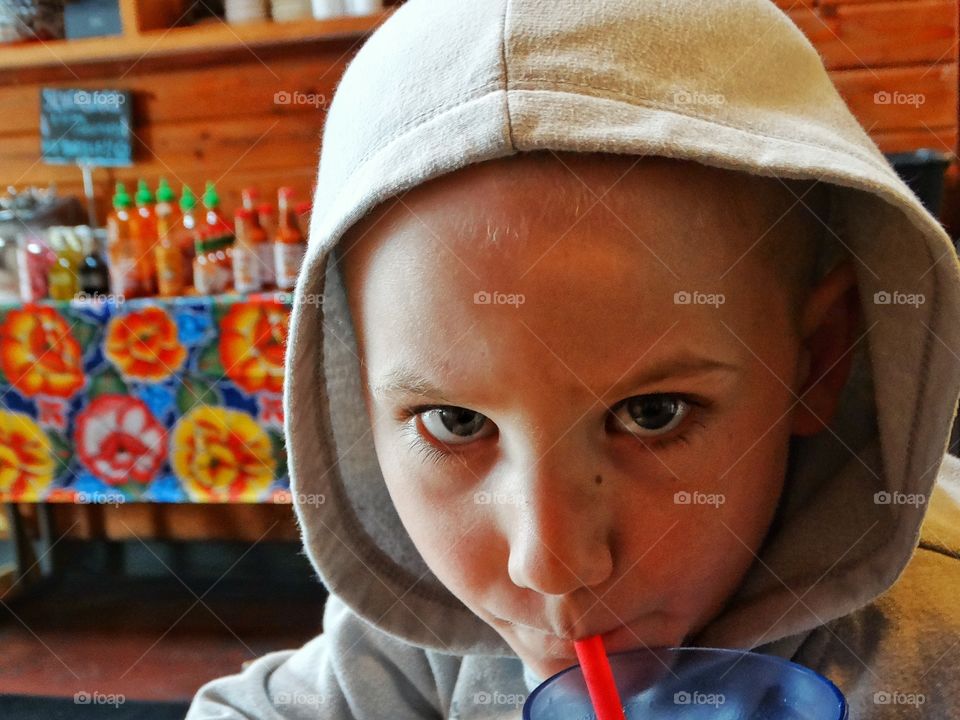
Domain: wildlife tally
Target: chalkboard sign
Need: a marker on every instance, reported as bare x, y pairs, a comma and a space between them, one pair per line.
86, 127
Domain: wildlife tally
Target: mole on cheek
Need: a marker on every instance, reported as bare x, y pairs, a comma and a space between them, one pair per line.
598, 480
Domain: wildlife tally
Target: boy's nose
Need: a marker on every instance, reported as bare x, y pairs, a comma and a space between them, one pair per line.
559, 533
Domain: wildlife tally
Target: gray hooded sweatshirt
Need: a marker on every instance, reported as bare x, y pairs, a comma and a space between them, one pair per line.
861, 590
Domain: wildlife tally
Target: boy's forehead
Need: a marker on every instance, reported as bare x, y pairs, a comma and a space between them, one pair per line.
676, 214
598, 262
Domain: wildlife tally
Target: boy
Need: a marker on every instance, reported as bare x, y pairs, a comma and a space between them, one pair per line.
627, 328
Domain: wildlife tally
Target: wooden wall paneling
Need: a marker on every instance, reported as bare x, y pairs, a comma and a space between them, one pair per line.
189, 93
881, 34
901, 98
172, 521
901, 141
223, 122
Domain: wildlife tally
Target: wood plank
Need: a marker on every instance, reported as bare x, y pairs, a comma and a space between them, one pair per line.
881, 34
128, 16
900, 98
795, 4
306, 79
177, 521
193, 40
157, 14
219, 140
214, 147
896, 141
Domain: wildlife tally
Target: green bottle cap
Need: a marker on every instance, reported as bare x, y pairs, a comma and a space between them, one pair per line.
210, 198
122, 198
165, 192
188, 201
144, 196
219, 243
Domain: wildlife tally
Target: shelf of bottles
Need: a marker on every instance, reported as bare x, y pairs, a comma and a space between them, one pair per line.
151, 370
157, 245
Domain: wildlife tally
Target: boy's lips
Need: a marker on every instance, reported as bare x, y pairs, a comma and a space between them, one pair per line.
623, 638
618, 639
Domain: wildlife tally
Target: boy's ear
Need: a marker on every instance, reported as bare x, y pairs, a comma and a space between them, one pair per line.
829, 319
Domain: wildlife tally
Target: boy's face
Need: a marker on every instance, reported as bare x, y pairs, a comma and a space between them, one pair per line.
593, 454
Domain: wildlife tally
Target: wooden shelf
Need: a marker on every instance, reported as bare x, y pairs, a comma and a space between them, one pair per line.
204, 37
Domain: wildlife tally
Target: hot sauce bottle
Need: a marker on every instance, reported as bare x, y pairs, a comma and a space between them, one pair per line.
289, 245
169, 255
121, 252
246, 262
143, 229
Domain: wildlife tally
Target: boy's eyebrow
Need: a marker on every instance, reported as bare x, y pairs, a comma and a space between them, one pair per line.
679, 366
402, 380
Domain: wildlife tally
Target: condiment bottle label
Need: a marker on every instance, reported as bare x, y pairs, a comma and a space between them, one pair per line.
210, 278
246, 270
122, 278
268, 272
288, 257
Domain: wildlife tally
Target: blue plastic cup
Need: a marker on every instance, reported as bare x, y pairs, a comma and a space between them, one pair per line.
692, 683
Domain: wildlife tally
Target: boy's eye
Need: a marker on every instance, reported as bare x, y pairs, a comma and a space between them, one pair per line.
455, 425
643, 415
651, 415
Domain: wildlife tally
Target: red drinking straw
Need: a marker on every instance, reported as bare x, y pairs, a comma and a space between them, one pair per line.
599, 678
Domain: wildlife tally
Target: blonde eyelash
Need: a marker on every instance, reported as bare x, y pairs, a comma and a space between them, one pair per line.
424, 449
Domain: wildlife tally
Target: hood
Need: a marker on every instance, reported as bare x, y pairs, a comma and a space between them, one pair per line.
443, 84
